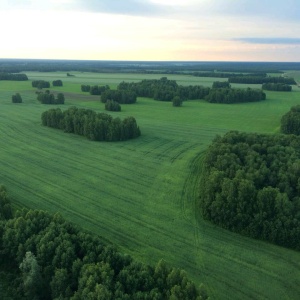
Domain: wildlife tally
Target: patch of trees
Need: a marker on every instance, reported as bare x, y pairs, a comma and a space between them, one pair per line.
112, 105
85, 88
49, 98
13, 77
16, 98
261, 79
94, 126
120, 96
290, 122
40, 84
229, 95
250, 184
5, 205
277, 87
98, 90
176, 101
57, 82
53, 259
221, 85
164, 89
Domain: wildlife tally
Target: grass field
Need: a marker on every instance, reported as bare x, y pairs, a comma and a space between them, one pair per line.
141, 194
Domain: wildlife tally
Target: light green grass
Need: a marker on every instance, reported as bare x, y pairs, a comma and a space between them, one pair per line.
140, 194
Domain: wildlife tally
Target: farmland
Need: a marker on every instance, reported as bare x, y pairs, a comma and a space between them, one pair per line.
141, 194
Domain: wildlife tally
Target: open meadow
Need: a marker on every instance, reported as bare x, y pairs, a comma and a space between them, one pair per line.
142, 194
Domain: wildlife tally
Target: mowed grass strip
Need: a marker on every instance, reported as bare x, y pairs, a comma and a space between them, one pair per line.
140, 194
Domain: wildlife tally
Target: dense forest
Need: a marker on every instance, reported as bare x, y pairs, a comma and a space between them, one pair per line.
94, 126
50, 258
290, 122
250, 184
228, 95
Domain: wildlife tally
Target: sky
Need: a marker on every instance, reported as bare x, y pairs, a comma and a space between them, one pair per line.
151, 30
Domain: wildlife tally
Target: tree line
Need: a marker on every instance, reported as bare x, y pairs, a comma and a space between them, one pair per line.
88, 123
120, 96
261, 79
290, 122
228, 95
49, 98
250, 185
277, 87
13, 77
50, 258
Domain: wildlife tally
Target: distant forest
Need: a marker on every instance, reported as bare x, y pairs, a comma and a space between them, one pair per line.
18, 65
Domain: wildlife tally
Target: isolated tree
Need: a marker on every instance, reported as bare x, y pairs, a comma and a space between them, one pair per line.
16, 98
176, 101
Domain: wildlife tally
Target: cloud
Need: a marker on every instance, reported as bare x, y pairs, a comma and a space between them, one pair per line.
271, 41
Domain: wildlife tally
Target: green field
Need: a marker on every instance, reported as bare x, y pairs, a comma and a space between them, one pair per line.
141, 194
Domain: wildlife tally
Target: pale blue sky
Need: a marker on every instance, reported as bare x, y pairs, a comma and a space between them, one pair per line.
226, 30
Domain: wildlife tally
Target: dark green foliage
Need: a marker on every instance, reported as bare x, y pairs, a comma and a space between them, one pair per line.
48, 98
290, 122
13, 77
164, 89
120, 96
221, 84
235, 95
57, 82
85, 88
97, 127
97, 90
58, 261
277, 87
16, 98
40, 84
261, 79
112, 105
176, 101
251, 185
5, 205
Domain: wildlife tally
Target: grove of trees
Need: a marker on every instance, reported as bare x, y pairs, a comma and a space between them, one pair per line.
261, 79
57, 82
120, 96
112, 105
49, 98
13, 77
250, 184
290, 122
94, 126
16, 98
277, 87
50, 258
40, 84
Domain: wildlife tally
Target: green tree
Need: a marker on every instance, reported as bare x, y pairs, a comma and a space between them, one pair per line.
176, 101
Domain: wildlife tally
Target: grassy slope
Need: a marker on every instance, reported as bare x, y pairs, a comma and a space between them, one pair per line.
141, 194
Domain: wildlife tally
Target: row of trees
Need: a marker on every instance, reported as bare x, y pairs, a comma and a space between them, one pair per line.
16, 98
277, 87
51, 258
221, 85
227, 74
228, 95
49, 98
290, 122
261, 79
250, 184
13, 77
94, 126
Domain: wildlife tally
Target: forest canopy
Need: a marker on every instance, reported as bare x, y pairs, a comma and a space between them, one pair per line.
290, 122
